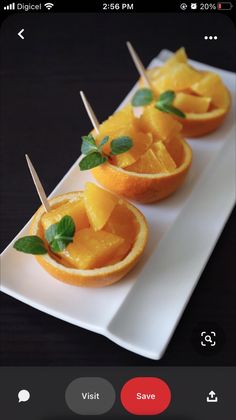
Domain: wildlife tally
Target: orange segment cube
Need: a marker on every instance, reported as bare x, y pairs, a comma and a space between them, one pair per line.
177, 78
175, 148
179, 57
99, 205
94, 249
147, 164
191, 103
73, 208
122, 223
115, 123
123, 123
163, 156
121, 252
119, 119
160, 124
211, 85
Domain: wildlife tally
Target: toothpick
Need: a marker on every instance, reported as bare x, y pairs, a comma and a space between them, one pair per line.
90, 112
139, 65
38, 185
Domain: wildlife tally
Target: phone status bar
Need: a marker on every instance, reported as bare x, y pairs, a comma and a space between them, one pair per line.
113, 7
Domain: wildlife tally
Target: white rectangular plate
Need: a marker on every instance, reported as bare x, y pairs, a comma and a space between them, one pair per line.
141, 312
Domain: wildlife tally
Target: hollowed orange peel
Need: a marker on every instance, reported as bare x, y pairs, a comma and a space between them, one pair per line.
117, 245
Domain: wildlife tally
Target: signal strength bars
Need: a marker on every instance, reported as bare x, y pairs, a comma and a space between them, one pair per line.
10, 7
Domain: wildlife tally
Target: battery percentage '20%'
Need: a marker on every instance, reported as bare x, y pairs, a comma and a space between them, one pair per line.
208, 6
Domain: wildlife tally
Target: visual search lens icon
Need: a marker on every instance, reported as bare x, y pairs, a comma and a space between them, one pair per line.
208, 339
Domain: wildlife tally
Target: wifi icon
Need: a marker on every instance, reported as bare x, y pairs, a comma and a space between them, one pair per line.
49, 5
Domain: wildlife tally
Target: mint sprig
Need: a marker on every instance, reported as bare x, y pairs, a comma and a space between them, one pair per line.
31, 245
94, 154
164, 104
60, 234
142, 97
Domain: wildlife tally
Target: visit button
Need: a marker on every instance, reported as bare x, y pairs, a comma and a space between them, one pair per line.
90, 396
145, 396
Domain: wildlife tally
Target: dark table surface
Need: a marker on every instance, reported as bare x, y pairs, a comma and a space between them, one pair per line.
42, 115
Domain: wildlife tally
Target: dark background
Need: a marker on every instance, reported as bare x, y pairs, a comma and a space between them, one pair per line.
42, 114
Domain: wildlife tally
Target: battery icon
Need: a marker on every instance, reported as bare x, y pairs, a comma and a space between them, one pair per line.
225, 5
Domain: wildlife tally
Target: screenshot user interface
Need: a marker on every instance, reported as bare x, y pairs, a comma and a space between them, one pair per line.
117, 211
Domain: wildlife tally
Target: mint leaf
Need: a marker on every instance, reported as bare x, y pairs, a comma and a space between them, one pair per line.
66, 227
59, 235
88, 145
103, 142
164, 104
142, 97
30, 245
92, 160
121, 145
166, 97
51, 233
170, 109
58, 245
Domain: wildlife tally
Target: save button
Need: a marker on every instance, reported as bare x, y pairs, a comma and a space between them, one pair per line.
145, 396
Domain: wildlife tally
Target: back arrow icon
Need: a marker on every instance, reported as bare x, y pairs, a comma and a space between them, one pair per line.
20, 34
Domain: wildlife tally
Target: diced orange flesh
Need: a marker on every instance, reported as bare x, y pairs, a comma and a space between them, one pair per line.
179, 57
121, 252
141, 143
175, 148
123, 123
114, 124
191, 103
94, 249
147, 164
211, 85
99, 205
163, 156
177, 78
160, 124
122, 223
119, 119
73, 208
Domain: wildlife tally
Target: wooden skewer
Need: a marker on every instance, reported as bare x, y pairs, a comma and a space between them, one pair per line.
139, 65
38, 185
90, 112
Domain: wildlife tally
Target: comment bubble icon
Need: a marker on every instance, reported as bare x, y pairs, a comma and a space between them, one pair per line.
23, 395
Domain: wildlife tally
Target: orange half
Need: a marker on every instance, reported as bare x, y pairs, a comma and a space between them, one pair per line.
96, 277
145, 188
201, 95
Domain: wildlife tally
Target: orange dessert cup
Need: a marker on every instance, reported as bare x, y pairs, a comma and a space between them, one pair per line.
201, 95
155, 166
103, 249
